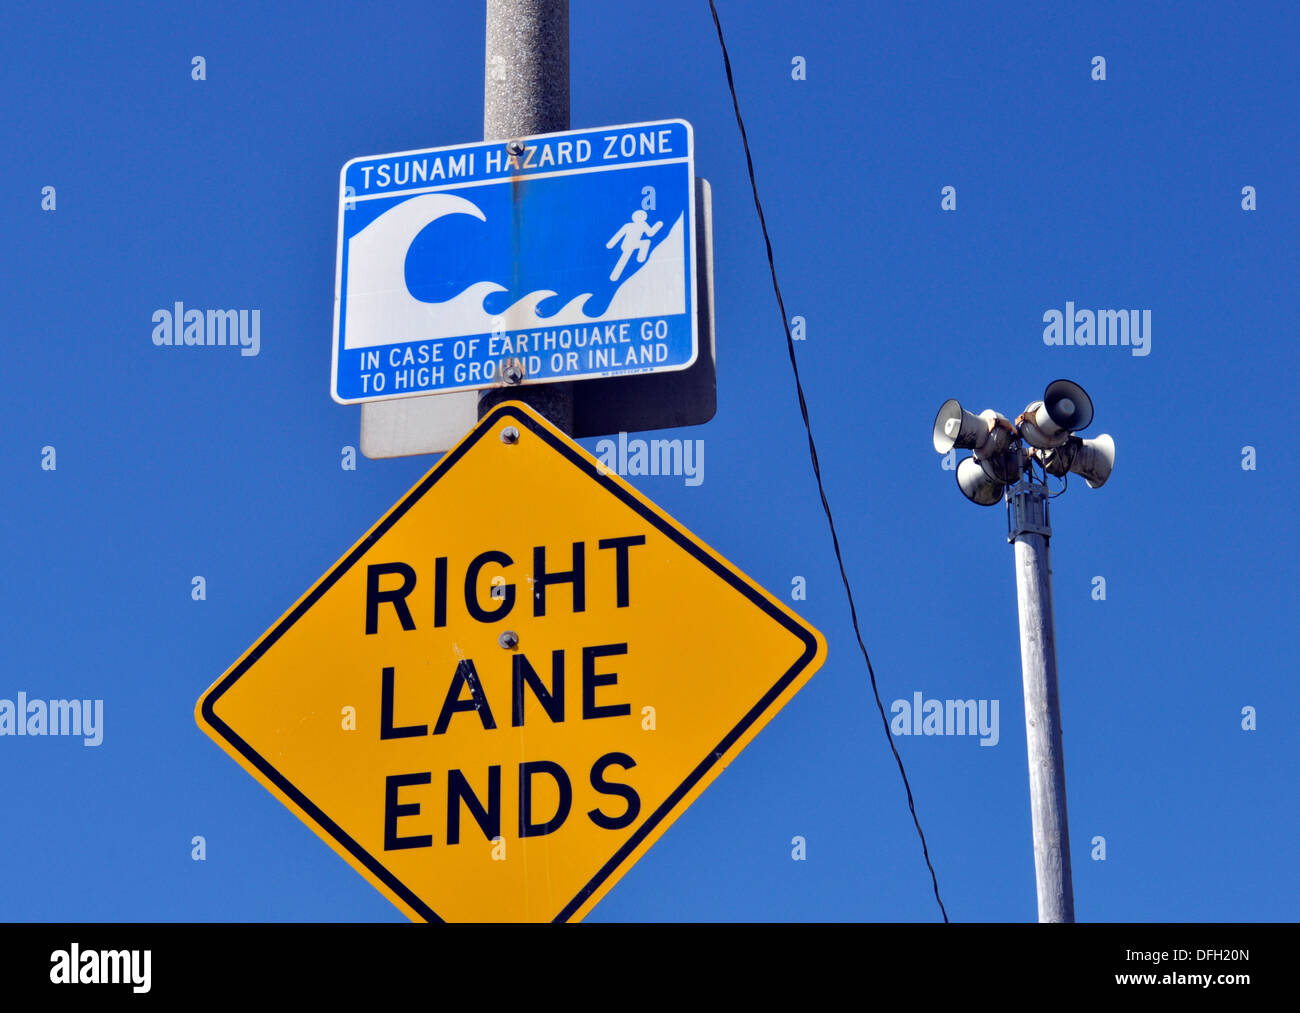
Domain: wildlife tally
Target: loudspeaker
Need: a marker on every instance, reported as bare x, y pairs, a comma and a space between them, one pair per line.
1092, 459
1066, 406
1035, 434
956, 427
975, 485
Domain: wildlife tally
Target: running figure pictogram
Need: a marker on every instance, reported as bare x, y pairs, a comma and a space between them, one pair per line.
636, 237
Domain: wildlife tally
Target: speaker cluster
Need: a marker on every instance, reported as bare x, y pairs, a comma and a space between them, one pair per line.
1002, 449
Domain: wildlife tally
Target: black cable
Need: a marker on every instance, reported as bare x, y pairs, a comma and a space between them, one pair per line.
812, 450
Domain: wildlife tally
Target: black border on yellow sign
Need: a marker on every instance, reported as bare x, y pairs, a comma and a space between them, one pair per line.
664, 524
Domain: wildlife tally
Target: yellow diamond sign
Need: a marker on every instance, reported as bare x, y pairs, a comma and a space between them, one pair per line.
497, 701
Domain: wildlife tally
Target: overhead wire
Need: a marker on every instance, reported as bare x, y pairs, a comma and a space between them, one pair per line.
812, 451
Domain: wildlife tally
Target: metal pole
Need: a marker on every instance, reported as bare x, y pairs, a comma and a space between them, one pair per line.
1029, 530
525, 92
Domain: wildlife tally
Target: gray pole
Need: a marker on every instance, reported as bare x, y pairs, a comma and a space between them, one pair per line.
525, 92
1029, 530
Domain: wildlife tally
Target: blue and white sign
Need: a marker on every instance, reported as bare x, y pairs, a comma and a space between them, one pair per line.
571, 253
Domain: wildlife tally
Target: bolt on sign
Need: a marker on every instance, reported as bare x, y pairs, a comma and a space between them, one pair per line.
512, 685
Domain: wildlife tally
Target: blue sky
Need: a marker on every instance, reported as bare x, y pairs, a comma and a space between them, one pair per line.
1117, 194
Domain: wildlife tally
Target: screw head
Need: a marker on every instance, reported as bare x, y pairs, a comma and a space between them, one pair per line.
509, 640
515, 147
512, 374
509, 435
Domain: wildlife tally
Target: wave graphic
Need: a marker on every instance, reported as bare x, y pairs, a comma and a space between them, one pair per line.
381, 310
